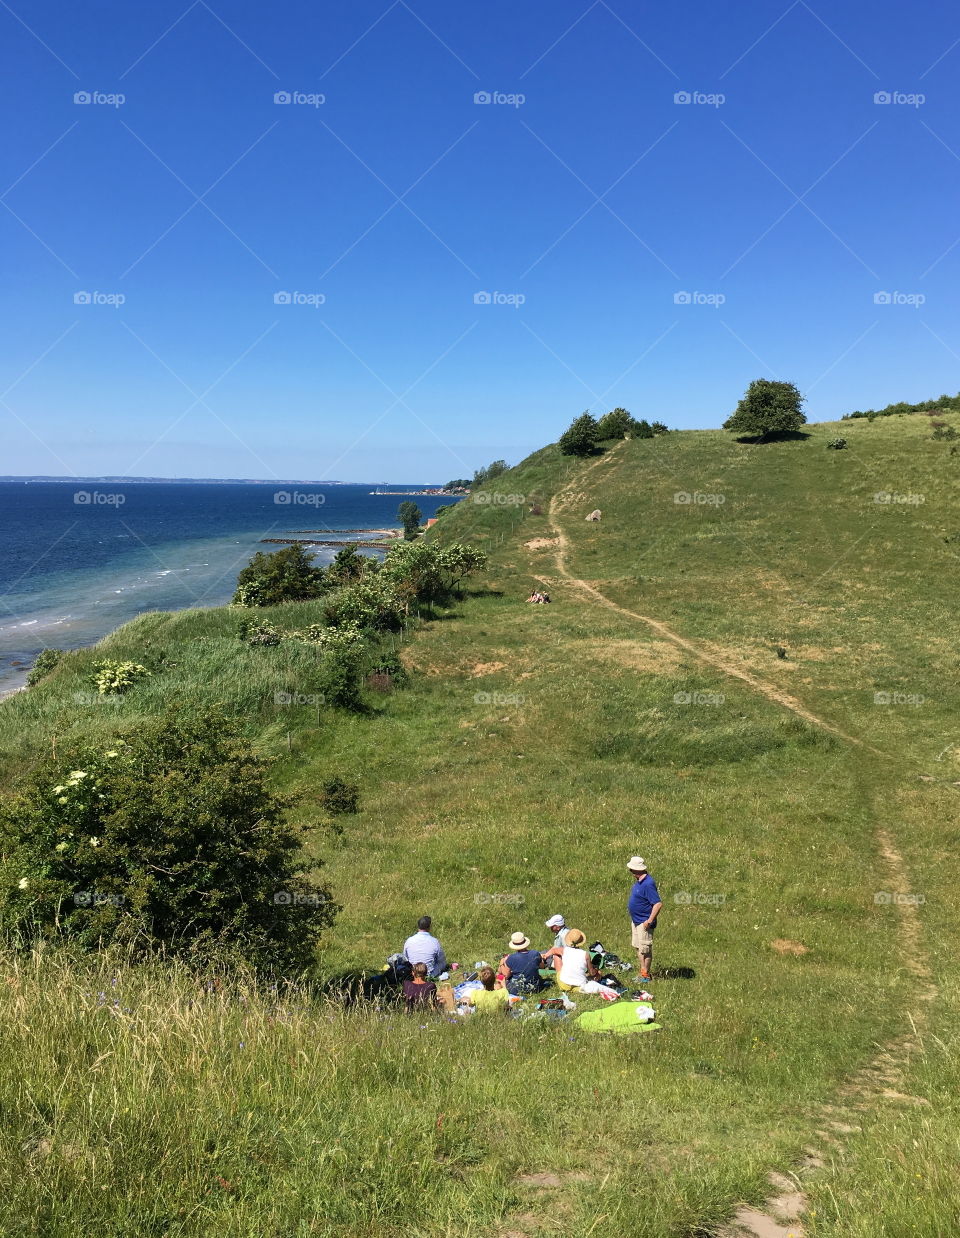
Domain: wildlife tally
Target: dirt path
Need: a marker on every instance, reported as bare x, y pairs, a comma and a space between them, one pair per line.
769, 690
883, 1077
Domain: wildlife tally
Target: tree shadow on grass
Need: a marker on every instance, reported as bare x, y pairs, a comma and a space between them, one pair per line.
775, 436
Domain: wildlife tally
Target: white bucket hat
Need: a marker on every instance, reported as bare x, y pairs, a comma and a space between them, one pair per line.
555, 922
637, 864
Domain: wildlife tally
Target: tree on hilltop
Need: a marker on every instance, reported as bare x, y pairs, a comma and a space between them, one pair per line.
615, 424
768, 407
581, 437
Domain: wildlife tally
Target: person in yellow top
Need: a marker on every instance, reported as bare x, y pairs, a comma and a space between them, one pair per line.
489, 998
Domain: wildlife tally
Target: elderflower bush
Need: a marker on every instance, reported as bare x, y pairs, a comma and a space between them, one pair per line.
348, 635
114, 678
173, 840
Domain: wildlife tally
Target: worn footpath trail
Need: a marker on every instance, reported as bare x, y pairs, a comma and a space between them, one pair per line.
882, 1077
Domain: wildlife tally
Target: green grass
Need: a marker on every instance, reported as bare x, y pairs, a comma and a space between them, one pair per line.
537, 748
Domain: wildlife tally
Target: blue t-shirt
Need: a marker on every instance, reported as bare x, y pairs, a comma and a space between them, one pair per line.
524, 972
643, 898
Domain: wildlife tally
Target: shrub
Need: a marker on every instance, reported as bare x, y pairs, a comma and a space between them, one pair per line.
46, 661
348, 635
615, 424
580, 438
375, 603
171, 841
258, 632
288, 575
426, 572
114, 678
341, 675
837, 444
349, 565
943, 431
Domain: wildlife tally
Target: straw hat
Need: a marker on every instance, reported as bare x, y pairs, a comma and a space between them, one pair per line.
520, 942
574, 938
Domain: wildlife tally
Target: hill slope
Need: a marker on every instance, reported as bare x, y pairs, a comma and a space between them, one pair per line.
793, 824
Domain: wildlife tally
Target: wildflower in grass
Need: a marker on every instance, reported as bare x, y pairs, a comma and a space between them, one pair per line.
61, 846
77, 774
59, 790
94, 842
23, 883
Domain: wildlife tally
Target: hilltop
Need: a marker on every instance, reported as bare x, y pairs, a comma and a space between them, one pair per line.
747, 673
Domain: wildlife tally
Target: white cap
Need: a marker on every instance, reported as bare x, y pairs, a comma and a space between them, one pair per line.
556, 922
637, 864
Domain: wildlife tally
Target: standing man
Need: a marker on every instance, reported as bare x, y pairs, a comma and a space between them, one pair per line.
423, 947
644, 906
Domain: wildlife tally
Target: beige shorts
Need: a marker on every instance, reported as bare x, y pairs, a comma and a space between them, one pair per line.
642, 939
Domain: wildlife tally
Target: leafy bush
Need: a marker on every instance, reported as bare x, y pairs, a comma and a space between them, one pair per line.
171, 841
47, 660
348, 635
374, 603
287, 575
943, 431
258, 632
837, 444
114, 678
341, 675
581, 436
349, 565
944, 403
426, 571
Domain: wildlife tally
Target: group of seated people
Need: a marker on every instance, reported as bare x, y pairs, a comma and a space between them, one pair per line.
517, 975
537, 596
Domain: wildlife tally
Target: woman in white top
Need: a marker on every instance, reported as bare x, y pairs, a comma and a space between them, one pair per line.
576, 968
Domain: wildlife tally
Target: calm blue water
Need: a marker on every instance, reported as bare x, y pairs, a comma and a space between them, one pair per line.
71, 571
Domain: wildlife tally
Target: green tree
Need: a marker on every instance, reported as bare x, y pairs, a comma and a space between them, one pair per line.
409, 516
287, 575
458, 483
768, 407
615, 424
659, 427
348, 565
170, 840
425, 571
580, 438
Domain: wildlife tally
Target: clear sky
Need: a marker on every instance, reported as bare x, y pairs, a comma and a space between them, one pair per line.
661, 202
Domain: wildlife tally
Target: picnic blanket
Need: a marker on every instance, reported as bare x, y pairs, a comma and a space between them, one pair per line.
621, 1017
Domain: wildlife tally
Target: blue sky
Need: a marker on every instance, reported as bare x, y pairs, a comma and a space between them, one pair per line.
669, 200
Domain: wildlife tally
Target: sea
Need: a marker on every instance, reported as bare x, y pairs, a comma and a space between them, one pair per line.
77, 559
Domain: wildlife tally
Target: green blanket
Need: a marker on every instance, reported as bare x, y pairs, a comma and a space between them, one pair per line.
619, 1017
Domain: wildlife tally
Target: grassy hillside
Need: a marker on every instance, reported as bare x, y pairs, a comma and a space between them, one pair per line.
646, 709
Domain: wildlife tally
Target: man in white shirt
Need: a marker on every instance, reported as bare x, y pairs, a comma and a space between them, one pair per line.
423, 947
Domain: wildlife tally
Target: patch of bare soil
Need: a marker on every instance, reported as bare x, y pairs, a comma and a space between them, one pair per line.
487, 668
540, 543
783, 946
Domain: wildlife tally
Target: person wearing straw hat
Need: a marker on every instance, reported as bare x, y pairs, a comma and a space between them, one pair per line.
644, 906
574, 965
521, 967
